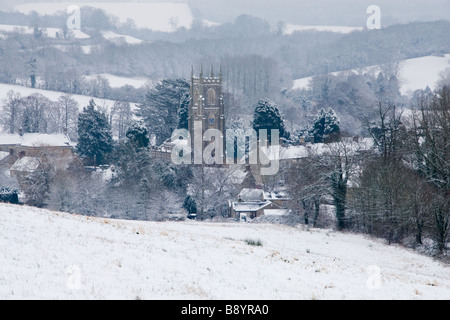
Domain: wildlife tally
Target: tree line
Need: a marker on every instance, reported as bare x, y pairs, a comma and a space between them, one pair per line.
38, 114
398, 191
260, 61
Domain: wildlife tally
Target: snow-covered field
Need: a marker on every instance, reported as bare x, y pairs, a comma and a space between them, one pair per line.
120, 38
157, 16
417, 73
49, 255
83, 101
291, 28
48, 32
118, 82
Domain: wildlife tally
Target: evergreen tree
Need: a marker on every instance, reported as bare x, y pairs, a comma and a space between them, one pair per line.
137, 135
268, 116
161, 106
326, 127
132, 158
183, 113
94, 135
190, 205
9, 195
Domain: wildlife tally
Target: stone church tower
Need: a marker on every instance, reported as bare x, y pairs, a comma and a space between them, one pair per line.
206, 104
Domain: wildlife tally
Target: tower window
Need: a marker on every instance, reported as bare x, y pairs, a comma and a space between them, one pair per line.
196, 97
211, 97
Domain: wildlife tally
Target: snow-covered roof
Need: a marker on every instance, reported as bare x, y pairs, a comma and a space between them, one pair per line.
298, 152
118, 38
248, 194
3, 155
35, 140
278, 195
275, 212
26, 164
250, 206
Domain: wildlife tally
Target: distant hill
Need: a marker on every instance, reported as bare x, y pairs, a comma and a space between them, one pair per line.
83, 101
417, 73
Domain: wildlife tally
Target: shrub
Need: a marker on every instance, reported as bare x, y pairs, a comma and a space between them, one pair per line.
9, 195
252, 242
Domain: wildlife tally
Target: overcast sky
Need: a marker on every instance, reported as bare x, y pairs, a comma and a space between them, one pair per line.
319, 12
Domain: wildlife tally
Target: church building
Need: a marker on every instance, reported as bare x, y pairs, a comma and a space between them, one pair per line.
206, 104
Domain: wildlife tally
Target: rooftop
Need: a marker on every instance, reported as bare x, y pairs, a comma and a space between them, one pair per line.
35, 140
276, 212
277, 195
26, 164
298, 152
3, 155
250, 206
248, 194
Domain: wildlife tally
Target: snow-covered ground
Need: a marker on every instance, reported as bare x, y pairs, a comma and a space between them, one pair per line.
50, 255
157, 16
120, 38
291, 28
118, 82
35, 140
83, 101
48, 32
417, 73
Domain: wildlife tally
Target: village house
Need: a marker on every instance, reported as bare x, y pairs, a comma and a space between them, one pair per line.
246, 210
253, 203
24, 166
22, 154
280, 198
7, 159
33, 144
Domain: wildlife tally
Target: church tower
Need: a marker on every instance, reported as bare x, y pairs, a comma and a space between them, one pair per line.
206, 104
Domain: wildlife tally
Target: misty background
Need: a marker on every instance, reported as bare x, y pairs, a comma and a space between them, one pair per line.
125, 48
311, 69
319, 12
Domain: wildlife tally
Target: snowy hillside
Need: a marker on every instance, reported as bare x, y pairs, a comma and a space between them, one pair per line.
5, 30
120, 38
118, 82
83, 101
48, 255
157, 16
291, 28
417, 73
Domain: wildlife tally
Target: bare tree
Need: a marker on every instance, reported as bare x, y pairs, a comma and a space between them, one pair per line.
68, 109
212, 187
387, 131
305, 190
327, 170
432, 147
343, 157
391, 200
11, 110
121, 118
